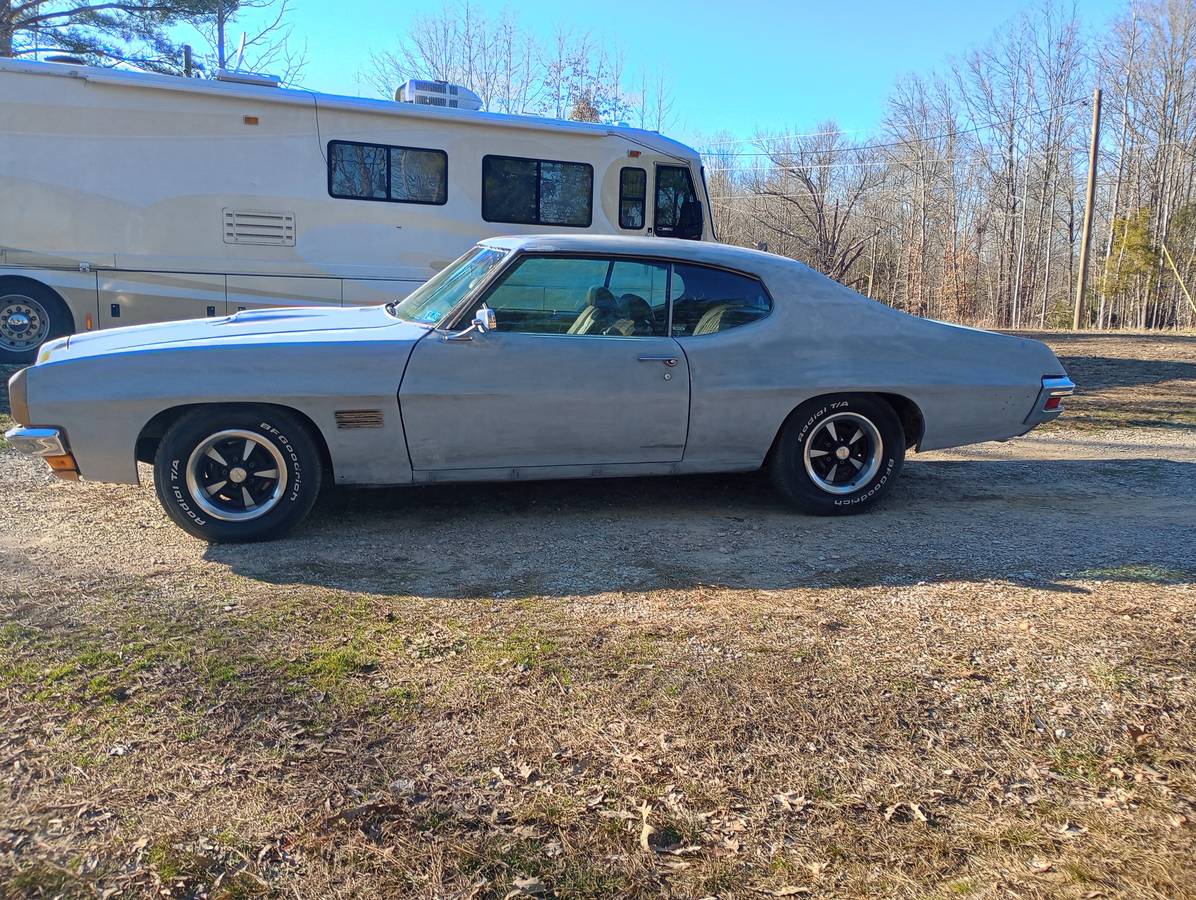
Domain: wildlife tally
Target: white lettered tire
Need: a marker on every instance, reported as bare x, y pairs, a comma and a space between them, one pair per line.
838, 454
237, 473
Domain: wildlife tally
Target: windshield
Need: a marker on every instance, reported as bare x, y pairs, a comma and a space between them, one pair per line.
436, 297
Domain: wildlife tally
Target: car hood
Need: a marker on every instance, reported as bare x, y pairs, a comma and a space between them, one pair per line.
325, 323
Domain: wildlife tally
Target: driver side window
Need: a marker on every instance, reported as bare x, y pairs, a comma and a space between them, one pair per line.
582, 295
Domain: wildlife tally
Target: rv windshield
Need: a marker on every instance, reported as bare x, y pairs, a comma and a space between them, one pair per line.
435, 298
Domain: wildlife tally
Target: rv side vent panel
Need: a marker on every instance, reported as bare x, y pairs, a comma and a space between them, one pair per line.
257, 226
358, 418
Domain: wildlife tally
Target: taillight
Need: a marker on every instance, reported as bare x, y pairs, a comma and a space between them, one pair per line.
1052, 403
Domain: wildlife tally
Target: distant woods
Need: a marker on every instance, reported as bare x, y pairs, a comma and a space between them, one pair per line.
968, 203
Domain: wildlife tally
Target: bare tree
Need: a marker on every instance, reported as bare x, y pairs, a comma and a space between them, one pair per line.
571, 75
106, 32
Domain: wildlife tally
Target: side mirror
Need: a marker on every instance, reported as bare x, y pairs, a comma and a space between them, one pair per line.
485, 320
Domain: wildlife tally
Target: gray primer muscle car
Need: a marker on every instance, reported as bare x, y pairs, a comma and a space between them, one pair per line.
537, 357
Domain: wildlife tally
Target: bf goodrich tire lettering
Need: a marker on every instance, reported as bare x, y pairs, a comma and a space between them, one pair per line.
237, 474
838, 454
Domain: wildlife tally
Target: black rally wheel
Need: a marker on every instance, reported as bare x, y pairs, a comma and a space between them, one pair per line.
30, 314
838, 454
237, 474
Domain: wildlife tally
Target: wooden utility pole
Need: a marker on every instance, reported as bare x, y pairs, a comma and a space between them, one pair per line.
1086, 239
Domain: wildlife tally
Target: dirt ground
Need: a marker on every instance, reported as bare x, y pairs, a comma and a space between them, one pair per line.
650, 687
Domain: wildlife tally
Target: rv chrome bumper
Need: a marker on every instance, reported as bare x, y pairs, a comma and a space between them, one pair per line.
36, 441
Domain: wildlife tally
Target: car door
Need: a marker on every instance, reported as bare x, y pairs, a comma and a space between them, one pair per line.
580, 371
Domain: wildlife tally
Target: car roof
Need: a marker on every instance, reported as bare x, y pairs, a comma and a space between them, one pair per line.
671, 248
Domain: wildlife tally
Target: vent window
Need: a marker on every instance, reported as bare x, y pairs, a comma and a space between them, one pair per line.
633, 193
256, 226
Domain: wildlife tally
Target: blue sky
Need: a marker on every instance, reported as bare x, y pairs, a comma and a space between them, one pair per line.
731, 66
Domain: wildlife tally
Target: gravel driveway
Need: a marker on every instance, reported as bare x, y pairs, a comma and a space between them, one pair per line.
630, 687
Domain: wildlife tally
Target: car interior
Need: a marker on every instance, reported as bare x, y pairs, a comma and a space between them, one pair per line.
591, 296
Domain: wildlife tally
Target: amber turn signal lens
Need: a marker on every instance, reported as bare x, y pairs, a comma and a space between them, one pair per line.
64, 463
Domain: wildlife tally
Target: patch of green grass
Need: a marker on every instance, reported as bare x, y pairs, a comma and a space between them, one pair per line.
179, 867
19, 673
1117, 677
1076, 760
331, 668
104, 688
39, 879
521, 648
14, 634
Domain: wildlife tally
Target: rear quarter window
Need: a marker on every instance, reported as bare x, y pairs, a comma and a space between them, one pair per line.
710, 301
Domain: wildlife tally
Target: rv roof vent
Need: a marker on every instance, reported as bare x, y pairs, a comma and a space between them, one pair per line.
437, 93
65, 58
248, 78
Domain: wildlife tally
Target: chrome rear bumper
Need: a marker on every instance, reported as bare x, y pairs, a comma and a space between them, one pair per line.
36, 441
1049, 403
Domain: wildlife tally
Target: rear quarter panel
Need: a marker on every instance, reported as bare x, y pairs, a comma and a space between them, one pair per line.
823, 338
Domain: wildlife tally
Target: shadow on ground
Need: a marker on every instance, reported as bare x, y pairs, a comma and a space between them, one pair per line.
1029, 522
1091, 373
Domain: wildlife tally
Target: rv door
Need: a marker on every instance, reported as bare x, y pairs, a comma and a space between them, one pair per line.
678, 210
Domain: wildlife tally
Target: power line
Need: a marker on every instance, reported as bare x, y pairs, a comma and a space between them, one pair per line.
778, 137
888, 162
907, 142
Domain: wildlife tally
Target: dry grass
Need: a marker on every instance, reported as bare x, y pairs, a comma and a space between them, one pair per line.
201, 730
1124, 381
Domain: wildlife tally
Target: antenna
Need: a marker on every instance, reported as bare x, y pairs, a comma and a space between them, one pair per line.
240, 53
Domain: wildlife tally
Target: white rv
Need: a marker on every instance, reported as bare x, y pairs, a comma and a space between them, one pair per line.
128, 197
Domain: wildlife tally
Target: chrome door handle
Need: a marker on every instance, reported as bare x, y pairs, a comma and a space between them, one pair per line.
669, 361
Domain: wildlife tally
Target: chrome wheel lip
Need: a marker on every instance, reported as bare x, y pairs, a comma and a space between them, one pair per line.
205, 501
866, 473
33, 323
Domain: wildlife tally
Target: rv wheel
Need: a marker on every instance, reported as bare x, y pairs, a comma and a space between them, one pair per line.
30, 314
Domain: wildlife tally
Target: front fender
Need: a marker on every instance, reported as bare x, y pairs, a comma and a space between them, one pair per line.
103, 403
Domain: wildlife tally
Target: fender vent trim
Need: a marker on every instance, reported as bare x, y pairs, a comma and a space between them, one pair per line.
358, 418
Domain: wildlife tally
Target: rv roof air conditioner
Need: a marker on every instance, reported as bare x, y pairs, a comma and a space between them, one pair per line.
437, 93
248, 78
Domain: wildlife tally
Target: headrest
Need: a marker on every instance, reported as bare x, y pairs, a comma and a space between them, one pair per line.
601, 297
637, 307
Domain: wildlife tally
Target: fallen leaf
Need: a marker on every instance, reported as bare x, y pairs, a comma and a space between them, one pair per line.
529, 886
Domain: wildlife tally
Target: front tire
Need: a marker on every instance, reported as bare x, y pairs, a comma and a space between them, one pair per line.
228, 475
839, 454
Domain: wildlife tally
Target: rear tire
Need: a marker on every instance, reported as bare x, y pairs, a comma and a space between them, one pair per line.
228, 475
30, 315
839, 454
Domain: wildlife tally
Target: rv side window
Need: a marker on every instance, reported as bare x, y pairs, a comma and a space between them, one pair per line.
678, 212
382, 172
537, 191
633, 192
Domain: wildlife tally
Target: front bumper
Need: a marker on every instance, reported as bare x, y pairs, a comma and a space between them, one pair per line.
48, 443
1049, 403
